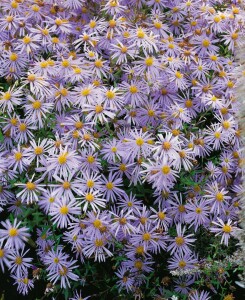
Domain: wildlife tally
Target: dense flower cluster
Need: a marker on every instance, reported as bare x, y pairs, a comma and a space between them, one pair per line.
119, 130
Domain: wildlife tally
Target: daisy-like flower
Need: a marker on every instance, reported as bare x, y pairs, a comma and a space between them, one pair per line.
121, 52
92, 199
97, 247
216, 197
181, 243
37, 110
63, 162
19, 263
126, 280
160, 174
122, 223
14, 235
197, 213
168, 145
63, 211
24, 284
64, 274
135, 92
182, 261
111, 187
31, 191
10, 98
225, 229
137, 144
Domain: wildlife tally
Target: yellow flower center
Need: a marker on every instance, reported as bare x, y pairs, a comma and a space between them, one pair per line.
99, 243
161, 215
151, 113
139, 142
51, 199
146, 236
140, 250
9, 19
26, 40
7, 96
13, 232
22, 127
165, 170
62, 159
18, 260
66, 185
110, 95
133, 89
149, 61
138, 264
205, 43
89, 197
90, 159
179, 240
63, 271
36, 104
140, 33
219, 197
182, 264
198, 210
181, 208
90, 183
64, 210
110, 185
18, 156
31, 77
85, 92
227, 228
30, 186
123, 167
97, 223
178, 75
98, 109
98, 63
13, 56
166, 145
1, 253
65, 63
124, 49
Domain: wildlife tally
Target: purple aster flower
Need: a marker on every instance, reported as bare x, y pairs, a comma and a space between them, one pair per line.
182, 261
225, 229
181, 243
197, 213
64, 274
19, 263
63, 211
14, 235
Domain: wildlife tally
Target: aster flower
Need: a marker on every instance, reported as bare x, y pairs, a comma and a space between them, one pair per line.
24, 284
225, 229
31, 190
197, 213
64, 274
182, 261
63, 162
10, 98
62, 211
180, 243
92, 199
19, 263
14, 235
97, 247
